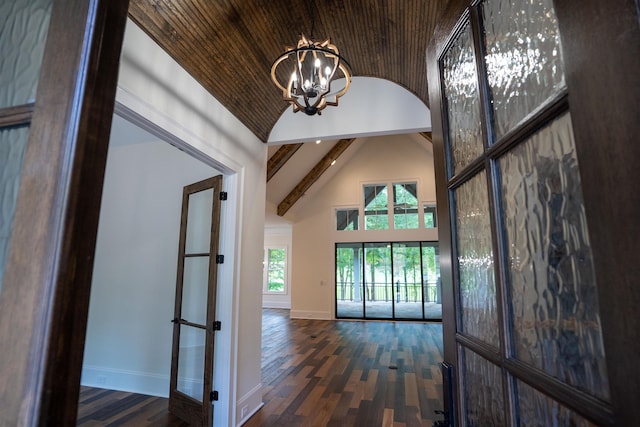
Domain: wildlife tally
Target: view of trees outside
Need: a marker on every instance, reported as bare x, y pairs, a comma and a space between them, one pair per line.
405, 206
377, 272
429, 216
376, 209
401, 278
276, 269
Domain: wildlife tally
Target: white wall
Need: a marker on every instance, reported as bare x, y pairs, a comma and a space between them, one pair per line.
156, 93
378, 160
279, 236
371, 106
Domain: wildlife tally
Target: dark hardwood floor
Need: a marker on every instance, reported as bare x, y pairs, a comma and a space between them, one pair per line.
317, 373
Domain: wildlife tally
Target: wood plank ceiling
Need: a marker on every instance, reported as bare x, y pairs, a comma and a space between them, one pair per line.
229, 45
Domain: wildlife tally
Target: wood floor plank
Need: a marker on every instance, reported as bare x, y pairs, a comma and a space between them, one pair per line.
316, 373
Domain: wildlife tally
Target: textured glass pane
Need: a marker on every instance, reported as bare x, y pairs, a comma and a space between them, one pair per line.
195, 288
191, 361
463, 101
23, 31
523, 58
553, 290
483, 397
199, 222
539, 410
12, 145
477, 287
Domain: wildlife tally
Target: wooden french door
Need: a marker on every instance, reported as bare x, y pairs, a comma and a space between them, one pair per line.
523, 283
191, 395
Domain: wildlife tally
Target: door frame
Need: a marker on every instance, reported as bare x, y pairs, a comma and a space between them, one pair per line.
606, 131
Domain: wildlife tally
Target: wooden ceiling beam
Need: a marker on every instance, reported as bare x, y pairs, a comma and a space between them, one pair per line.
313, 175
279, 158
427, 135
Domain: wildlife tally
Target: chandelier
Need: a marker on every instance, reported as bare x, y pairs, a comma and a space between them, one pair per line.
307, 75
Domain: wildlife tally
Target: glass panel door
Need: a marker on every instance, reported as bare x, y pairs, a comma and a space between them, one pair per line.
527, 333
391, 280
194, 318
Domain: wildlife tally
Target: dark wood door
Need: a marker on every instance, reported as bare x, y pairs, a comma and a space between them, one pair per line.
530, 336
49, 260
191, 395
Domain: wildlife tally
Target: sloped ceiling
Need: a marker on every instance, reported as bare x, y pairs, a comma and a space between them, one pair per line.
229, 45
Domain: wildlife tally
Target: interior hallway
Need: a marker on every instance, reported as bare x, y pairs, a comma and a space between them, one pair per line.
318, 373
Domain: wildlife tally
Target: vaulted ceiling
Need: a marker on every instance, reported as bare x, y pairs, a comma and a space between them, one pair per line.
228, 46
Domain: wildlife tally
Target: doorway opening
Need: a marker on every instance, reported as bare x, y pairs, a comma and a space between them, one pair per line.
129, 330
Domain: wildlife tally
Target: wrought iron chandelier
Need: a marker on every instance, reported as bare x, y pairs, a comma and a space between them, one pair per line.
307, 74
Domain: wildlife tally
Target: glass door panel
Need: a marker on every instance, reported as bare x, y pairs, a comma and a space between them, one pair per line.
378, 281
23, 33
523, 58
195, 287
13, 142
199, 222
349, 284
431, 285
554, 300
191, 362
407, 280
537, 409
460, 82
483, 393
477, 288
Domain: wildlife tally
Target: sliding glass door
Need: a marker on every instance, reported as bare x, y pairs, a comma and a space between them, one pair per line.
388, 280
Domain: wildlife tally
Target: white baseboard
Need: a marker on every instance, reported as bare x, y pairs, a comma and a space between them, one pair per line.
131, 381
249, 404
276, 304
306, 314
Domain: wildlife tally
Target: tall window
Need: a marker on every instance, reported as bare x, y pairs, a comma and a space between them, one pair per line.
275, 274
405, 205
376, 207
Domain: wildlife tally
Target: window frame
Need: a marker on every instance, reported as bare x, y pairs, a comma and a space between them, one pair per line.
265, 270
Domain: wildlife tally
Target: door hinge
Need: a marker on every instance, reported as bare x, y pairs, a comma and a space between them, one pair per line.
217, 325
219, 259
223, 195
213, 396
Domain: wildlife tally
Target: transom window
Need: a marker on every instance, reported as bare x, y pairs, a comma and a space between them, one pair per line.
376, 207
406, 214
405, 206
